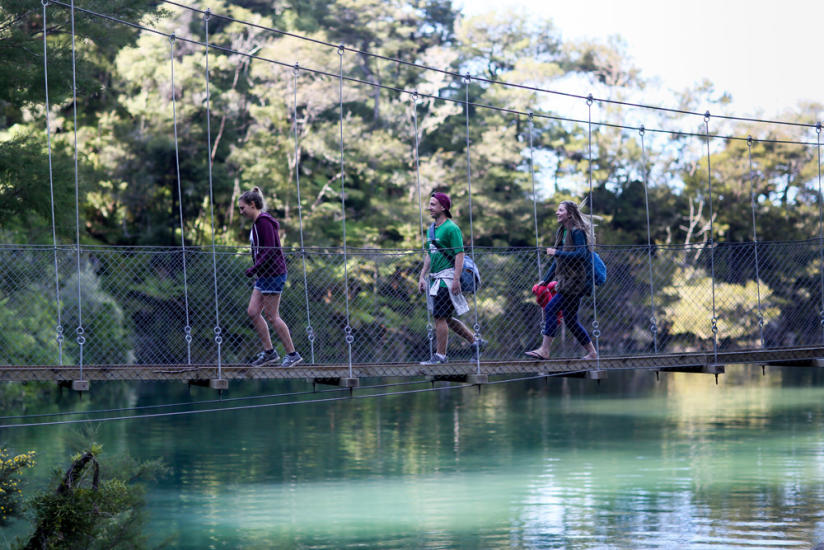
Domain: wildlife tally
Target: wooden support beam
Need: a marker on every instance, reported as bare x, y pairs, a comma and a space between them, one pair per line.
458, 378
335, 381
814, 362
218, 383
75, 385
697, 369
589, 374
213, 383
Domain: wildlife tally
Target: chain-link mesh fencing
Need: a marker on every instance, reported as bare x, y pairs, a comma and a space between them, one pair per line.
136, 302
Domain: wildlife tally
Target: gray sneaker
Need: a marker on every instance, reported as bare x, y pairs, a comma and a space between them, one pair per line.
436, 359
264, 358
479, 343
291, 360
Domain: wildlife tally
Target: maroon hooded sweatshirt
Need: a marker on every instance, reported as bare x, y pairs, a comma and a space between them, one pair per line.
267, 254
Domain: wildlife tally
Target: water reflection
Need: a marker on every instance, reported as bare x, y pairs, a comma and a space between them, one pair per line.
628, 463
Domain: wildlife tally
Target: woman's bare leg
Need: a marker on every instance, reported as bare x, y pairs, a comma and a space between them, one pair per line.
254, 310
543, 351
271, 306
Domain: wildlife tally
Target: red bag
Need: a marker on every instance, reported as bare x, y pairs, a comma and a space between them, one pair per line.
544, 293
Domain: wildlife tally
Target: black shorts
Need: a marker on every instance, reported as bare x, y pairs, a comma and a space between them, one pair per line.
442, 307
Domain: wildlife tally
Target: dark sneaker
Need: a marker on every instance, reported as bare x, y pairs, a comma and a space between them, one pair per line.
436, 359
291, 359
264, 358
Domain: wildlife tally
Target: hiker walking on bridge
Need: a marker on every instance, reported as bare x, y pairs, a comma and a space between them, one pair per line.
440, 277
570, 268
269, 269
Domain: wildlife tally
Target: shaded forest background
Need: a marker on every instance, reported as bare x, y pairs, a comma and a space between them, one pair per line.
128, 190
127, 177
128, 183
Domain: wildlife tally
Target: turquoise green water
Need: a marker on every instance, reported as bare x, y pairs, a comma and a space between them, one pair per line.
627, 463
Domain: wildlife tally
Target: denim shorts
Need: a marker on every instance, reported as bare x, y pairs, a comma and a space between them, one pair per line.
271, 285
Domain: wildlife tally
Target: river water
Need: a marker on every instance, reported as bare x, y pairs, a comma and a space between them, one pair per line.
630, 462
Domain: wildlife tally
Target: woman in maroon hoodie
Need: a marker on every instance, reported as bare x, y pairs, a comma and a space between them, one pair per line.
270, 271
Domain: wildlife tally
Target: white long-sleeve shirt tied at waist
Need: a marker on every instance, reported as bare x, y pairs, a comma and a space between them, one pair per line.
447, 276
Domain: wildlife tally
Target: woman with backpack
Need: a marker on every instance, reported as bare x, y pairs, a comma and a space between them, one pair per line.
571, 269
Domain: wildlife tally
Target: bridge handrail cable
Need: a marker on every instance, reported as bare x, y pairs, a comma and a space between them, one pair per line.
187, 329
482, 79
538, 114
59, 326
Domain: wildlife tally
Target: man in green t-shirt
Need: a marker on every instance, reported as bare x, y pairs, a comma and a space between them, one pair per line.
440, 277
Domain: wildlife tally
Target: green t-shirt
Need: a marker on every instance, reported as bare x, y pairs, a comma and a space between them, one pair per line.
449, 237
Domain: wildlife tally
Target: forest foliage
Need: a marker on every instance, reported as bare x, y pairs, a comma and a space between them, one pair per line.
127, 173
271, 125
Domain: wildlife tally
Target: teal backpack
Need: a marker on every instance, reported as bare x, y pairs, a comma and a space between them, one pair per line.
600, 269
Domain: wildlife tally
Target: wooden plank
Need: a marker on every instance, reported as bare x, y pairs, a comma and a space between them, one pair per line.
700, 361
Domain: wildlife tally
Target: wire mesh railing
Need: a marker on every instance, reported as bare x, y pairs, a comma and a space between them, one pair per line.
134, 303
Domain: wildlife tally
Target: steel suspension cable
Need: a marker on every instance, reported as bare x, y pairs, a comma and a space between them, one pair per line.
429, 333
653, 324
308, 401
208, 401
496, 82
596, 331
310, 332
187, 329
755, 244
712, 241
820, 223
59, 327
242, 407
439, 98
476, 327
534, 196
81, 338
217, 329
179, 404
348, 328
535, 205
479, 105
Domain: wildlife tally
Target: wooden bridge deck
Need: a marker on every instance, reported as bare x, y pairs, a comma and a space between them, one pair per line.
687, 362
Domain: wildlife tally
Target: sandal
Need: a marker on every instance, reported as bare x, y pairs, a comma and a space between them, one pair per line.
535, 355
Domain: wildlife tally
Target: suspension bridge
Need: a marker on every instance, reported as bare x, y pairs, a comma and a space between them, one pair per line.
356, 312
